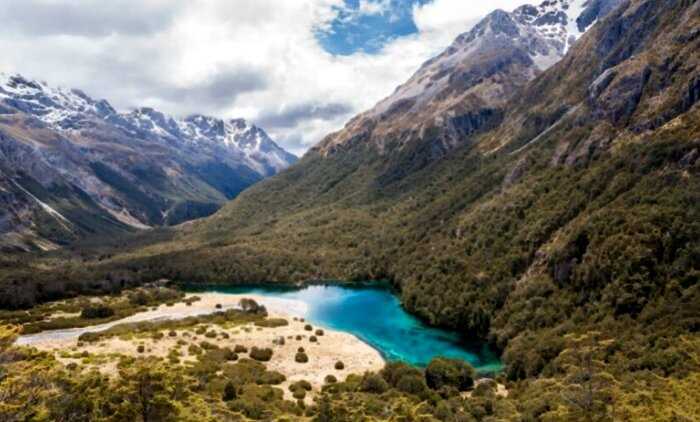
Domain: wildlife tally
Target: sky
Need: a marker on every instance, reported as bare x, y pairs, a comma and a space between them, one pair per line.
297, 68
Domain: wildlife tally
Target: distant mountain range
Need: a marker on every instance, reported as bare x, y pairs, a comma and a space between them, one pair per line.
71, 166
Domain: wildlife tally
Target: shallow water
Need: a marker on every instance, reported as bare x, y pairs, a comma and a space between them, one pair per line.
375, 315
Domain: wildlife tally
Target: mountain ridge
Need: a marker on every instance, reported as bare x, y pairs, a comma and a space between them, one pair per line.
115, 171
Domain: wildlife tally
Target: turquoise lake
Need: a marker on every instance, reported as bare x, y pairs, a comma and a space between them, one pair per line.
374, 314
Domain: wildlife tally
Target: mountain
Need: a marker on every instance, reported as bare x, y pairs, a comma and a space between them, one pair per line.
71, 166
564, 230
463, 91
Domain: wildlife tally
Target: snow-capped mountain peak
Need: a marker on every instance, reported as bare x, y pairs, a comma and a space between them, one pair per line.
60, 108
463, 89
73, 110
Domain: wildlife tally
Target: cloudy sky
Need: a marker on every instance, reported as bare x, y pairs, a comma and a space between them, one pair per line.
298, 68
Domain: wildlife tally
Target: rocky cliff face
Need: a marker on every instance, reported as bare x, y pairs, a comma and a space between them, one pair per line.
462, 92
73, 166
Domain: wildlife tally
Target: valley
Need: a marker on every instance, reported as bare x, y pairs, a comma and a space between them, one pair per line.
511, 235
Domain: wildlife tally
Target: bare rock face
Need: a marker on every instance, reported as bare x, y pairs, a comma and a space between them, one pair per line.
73, 166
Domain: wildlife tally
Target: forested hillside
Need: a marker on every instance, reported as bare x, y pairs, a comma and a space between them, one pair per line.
576, 217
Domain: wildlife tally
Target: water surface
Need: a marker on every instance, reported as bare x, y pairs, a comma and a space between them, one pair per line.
374, 314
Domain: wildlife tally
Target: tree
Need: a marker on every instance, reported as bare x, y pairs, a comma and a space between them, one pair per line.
147, 391
587, 392
444, 372
229, 392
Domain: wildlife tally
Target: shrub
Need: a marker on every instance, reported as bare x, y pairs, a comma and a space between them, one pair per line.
330, 379
299, 394
485, 388
313, 339
208, 346
271, 378
89, 337
339, 365
301, 357
301, 350
140, 348
301, 384
194, 350
250, 306
394, 371
308, 327
218, 306
230, 354
455, 373
240, 349
298, 337
97, 312
157, 335
229, 392
272, 323
210, 334
373, 383
262, 355
200, 330
172, 334
411, 384
319, 332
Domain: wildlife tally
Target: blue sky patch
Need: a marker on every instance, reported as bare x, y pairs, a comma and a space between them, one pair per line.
367, 25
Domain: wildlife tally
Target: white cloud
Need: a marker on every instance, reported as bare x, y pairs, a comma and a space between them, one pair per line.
374, 7
249, 58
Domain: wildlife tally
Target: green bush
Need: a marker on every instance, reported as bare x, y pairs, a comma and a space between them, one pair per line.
229, 392
330, 379
412, 384
373, 383
319, 332
301, 357
271, 378
272, 323
301, 384
97, 312
208, 346
230, 354
89, 337
262, 355
339, 365
140, 348
308, 327
313, 339
240, 349
456, 373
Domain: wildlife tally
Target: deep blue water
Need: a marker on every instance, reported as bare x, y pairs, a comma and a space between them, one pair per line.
374, 314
